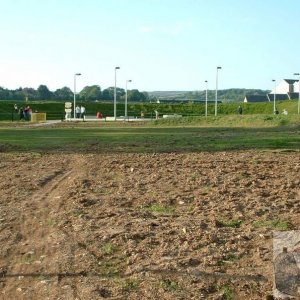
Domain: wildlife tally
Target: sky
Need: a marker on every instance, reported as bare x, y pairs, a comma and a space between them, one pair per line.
160, 45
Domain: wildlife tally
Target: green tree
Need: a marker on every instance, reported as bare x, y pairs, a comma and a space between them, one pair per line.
17, 94
4, 94
120, 93
135, 95
64, 93
91, 93
43, 92
30, 94
146, 96
108, 94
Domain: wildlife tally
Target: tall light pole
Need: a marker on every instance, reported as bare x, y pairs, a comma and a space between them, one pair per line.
129, 80
115, 94
216, 100
274, 102
75, 75
298, 74
206, 98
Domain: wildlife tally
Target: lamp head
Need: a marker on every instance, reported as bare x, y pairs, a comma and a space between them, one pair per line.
297, 74
117, 68
219, 68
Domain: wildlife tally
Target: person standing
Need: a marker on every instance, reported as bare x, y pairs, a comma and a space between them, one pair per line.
77, 111
21, 114
26, 113
240, 110
82, 112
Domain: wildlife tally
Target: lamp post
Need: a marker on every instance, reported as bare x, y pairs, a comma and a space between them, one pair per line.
129, 80
216, 100
298, 74
75, 75
206, 98
115, 94
274, 102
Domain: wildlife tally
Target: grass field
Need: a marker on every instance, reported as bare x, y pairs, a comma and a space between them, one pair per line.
185, 135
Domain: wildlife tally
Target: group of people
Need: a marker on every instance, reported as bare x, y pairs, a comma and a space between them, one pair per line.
284, 112
80, 112
276, 112
24, 113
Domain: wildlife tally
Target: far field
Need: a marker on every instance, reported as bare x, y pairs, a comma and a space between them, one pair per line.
183, 135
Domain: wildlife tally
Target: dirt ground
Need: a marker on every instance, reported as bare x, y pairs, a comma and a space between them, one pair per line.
144, 226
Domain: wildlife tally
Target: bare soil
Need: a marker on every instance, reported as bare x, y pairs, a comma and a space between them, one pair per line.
144, 226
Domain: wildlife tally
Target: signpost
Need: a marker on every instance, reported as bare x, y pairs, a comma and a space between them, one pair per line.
68, 110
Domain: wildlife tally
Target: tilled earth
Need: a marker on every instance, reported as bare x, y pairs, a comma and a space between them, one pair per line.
144, 226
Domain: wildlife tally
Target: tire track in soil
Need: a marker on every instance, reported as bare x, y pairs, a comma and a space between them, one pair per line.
40, 252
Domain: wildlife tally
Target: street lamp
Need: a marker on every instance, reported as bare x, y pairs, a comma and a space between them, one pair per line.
115, 94
75, 75
216, 100
298, 74
129, 80
206, 98
274, 105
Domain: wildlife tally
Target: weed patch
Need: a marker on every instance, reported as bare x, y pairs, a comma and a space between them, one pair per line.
229, 223
158, 208
130, 285
227, 292
108, 248
273, 224
169, 285
51, 222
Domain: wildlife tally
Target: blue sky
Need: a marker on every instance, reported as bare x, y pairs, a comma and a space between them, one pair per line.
159, 44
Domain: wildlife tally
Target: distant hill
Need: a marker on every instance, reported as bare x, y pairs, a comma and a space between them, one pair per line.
228, 95
167, 94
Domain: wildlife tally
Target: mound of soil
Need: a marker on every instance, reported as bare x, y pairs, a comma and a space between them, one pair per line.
148, 226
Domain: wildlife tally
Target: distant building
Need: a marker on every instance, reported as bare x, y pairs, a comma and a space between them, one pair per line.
256, 98
288, 89
279, 97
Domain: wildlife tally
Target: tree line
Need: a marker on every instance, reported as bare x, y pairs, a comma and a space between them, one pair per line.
94, 93
88, 93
